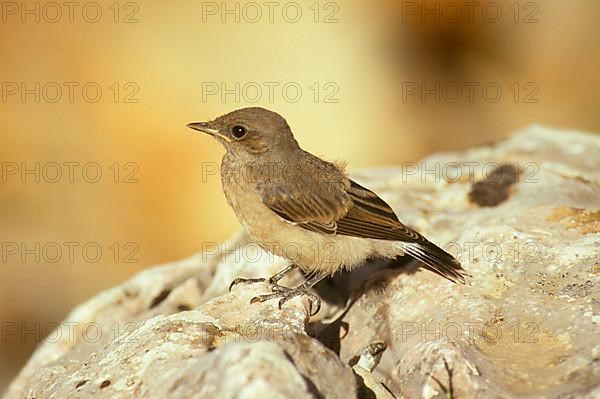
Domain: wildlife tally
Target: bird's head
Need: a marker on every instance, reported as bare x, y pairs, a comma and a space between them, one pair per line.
250, 132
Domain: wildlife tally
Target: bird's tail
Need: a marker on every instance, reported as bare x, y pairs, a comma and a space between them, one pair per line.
437, 260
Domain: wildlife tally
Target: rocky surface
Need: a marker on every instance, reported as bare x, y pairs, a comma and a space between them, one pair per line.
523, 216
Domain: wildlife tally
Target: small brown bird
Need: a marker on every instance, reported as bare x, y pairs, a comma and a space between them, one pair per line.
307, 210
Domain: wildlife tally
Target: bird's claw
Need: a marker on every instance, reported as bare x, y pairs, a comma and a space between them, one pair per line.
241, 280
285, 294
315, 301
278, 291
262, 298
269, 280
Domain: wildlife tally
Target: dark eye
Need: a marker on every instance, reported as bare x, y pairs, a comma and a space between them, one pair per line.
238, 131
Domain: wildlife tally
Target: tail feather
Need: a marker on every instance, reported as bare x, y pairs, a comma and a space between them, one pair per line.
437, 260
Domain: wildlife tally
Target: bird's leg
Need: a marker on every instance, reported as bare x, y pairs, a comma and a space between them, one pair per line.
273, 280
289, 293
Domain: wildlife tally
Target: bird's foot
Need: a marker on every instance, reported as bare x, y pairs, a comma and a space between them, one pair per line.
273, 280
241, 280
268, 280
285, 294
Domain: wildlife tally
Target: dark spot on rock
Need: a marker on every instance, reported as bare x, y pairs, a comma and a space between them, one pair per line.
160, 297
81, 383
495, 188
183, 307
104, 384
354, 360
578, 290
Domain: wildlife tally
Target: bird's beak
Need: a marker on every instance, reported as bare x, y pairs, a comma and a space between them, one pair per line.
204, 128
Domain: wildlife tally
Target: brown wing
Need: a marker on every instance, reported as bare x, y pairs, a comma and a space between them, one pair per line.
371, 217
316, 208
335, 209
353, 210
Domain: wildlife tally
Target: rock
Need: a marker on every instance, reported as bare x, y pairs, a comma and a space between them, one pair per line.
523, 216
244, 352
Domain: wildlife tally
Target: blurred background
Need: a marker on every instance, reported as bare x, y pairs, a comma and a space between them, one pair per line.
101, 178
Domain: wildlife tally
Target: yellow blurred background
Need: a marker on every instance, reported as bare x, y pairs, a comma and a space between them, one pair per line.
95, 97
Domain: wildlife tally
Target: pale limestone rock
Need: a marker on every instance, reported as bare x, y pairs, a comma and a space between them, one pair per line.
528, 325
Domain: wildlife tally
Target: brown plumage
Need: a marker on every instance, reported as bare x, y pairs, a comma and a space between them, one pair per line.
344, 207
286, 197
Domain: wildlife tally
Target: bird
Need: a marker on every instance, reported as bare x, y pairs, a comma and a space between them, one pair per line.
307, 210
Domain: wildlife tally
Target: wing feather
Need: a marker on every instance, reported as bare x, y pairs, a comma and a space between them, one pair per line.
334, 209
372, 217
346, 208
